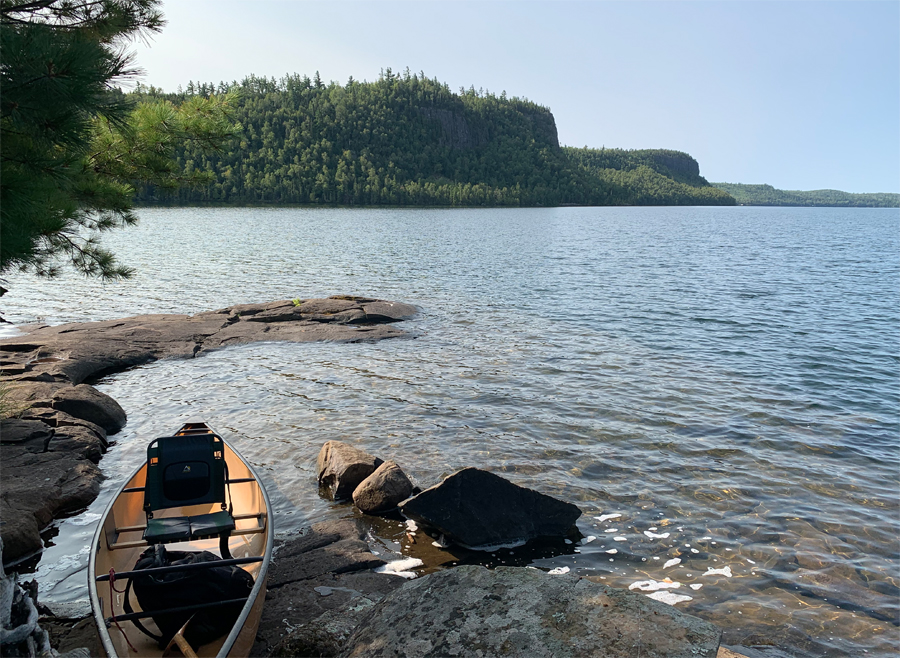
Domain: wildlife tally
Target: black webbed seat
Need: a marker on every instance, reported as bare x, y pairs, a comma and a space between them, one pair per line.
182, 471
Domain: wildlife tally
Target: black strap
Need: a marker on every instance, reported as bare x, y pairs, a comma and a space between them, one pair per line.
128, 609
228, 486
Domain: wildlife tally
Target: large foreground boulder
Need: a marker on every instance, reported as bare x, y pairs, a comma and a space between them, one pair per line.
86, 402
319, 585
341, 468
471, 611
477, 509
386, 488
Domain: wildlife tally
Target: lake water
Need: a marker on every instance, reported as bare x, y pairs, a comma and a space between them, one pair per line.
725, 380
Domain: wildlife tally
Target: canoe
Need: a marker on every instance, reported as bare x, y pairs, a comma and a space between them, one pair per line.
120, 540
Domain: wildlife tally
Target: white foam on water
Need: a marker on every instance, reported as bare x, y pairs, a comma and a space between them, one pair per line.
612, 551
10, 331
619, 539
653, 528
669, 597
85, 519
724, 571
694, 550
487, 548
696, 586
655, 558
702, 538
588, 540
401, 567
604, 517
558, 571
611, 530
653, 535
750, 561
68, 562
672, 562
654, 585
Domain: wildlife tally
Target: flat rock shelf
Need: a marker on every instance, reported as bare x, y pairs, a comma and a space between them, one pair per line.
58, 425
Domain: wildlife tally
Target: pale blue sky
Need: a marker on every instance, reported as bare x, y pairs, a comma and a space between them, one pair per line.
800, 95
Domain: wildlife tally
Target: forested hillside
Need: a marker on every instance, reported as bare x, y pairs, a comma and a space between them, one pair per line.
409, 140
766, 195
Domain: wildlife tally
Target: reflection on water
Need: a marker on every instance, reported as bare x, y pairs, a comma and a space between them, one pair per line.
715, 388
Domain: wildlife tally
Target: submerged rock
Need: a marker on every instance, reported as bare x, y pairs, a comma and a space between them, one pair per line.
341, 468
475, 508
471, 611
387, 487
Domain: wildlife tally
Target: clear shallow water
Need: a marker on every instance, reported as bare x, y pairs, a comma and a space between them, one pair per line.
726, 376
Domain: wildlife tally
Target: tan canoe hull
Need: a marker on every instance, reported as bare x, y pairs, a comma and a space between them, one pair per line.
117, 544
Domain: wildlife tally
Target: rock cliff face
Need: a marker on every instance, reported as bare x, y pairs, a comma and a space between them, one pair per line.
679, 166
49, 449
460, 131
455, 129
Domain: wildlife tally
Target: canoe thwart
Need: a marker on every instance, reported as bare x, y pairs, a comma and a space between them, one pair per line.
234, 481
172, 611
180, 567
143, 526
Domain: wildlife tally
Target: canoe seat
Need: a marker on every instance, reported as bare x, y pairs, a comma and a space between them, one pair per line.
183, 471
211, 525
186, 528
163, 531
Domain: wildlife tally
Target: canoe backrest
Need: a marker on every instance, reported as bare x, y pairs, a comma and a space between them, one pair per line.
185, 470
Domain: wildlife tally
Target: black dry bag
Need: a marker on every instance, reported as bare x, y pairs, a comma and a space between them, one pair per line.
177, 589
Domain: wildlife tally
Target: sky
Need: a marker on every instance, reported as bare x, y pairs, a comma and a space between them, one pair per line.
800, 95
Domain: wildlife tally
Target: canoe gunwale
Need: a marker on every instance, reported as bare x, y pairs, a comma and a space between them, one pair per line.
259, 584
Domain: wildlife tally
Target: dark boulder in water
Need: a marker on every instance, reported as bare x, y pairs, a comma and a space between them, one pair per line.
475, 508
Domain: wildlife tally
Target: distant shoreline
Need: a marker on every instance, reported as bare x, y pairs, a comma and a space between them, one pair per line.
766, 195
326, 206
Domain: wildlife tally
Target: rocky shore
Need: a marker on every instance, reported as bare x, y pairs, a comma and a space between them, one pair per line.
59, 424
329, 592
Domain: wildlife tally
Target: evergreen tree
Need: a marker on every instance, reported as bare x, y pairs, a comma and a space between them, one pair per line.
71, 144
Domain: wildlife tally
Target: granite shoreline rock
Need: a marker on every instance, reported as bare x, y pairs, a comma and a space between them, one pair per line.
474, 612
52, 471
